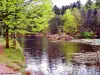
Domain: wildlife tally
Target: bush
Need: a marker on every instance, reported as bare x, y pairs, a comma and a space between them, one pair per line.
86, 34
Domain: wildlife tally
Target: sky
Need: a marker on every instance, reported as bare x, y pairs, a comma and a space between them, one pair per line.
61, 3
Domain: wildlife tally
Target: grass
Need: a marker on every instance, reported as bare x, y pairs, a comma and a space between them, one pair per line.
14, 58
2, 41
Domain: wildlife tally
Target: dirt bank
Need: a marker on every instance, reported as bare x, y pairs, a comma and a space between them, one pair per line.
57, 37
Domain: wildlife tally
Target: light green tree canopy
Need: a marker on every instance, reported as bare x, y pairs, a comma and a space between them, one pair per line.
70, 24
24, 16
20, 14
76, 13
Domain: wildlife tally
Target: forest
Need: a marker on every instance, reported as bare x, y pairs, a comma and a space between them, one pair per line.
35, 30
23, 17
77, 18
33, 17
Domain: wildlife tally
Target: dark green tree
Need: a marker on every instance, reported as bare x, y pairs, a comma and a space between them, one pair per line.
54, 24
88, 4
98, 3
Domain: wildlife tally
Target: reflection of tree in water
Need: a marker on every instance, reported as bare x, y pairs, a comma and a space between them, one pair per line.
33, 45
51, 57
54, 55
86, 48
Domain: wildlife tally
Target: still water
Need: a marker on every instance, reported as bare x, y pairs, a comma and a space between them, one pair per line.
44, 57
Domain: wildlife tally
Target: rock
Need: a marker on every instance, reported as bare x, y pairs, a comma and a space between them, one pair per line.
61, 37
27, 73
68, 38
88, 57
93, 42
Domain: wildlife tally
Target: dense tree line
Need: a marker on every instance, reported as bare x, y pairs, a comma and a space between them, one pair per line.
62, 10
80, 18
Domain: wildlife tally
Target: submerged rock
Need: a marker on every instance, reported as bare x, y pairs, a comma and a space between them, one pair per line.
88, 57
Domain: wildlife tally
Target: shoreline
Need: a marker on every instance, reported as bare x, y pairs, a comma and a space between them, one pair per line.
94, 42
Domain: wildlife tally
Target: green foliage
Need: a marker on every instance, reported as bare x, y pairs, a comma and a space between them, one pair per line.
23, 16
12, 13
76, 13
86, 34
70, 24
11, 55
19, 15
14, 54
98, 3
40, 14
13, 58
90, 4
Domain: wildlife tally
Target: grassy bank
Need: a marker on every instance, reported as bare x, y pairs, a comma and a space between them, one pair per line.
13, 58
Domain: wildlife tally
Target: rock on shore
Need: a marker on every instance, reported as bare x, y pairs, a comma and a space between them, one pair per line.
62, 37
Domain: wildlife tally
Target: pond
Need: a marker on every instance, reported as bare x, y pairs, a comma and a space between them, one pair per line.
44, 57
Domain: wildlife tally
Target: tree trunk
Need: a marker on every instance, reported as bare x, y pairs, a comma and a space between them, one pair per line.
7, 37
11, 35
15, 39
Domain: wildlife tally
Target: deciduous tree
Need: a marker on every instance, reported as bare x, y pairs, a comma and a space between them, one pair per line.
70, 24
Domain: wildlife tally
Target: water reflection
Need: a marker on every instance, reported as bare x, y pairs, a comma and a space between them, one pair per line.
44, 57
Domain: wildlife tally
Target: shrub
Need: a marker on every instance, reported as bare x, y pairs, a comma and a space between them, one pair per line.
86, 34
